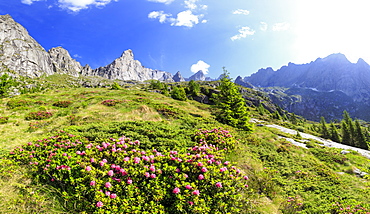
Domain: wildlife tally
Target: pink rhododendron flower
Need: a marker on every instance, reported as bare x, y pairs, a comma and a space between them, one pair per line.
126, 159
218, 184
105, 160
227, 163
88, 168
200, 177
153, 176
246, 177
147, 174
204, 169
112, 196
107, 193
152, 168
108, 185
99, 204
200, 164
191, 203
92, 160
129, 181
196, 192
188, 187
176, 190
92, 183
110, 173
177, 170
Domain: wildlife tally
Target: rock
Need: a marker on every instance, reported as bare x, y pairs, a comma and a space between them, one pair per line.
344, 152
63, 62
239, 80
199, 76
178, 77
359, 173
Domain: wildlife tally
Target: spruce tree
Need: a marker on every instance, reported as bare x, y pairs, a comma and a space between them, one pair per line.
193, 88
231, 104
334, 136
346, 134
178, 93
323, 128
360, 140
293, 119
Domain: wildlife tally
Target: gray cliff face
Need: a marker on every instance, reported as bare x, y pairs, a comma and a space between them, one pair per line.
178, 77
199, 76
63, 62
20, 52
126, 68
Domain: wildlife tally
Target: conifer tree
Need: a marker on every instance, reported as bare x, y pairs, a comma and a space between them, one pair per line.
360, 140
231, 104
334, 136
193, 88
178, 93
293, 119
346, 134
276, 115
323, 128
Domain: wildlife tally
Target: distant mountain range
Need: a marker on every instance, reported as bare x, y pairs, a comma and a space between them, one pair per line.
20, 53
325, 87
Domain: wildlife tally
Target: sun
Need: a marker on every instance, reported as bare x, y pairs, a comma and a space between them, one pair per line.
323, 27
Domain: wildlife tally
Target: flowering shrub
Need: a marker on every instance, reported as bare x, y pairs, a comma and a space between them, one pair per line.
38, 115
33, 126
62, 104
117, 177
111, 102
4, 120
17, 103
218, 137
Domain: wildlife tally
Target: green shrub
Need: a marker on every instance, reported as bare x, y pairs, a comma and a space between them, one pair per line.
116, 176
178, 93
38, 115
111, 102
115, 86
18, 103
62, 104
4, 120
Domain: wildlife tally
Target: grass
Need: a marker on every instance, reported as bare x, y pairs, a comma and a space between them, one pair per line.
316, 177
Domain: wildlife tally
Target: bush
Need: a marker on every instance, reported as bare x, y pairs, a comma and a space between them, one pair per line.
178, 93
111, 102
17, 103
62, 104
38, 115
117, 177
116, 86
4, 120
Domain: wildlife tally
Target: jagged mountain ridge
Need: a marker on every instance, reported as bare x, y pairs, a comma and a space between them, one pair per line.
20, 53
324, 87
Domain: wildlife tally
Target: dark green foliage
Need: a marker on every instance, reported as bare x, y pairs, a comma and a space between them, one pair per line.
18, 103
111, 102
62, 104
277, 116
193, 88
334, 136
323, 128
293, 119
156, 84
5, 83
360, 140
178, 93
231, 105
346, 134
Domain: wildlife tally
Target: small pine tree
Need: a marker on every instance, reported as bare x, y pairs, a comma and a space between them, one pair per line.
346, 134
231, 104
276, 115
115, 86
293, 119
360, 140
323, 128
334, 136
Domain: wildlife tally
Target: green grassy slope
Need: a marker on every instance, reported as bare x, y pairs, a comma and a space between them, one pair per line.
283, 178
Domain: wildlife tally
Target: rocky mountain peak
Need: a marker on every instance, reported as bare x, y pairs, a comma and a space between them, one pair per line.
199, 76
178, 77
63, 62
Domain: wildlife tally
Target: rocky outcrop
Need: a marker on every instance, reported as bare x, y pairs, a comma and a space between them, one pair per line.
178, 77
239, 80
126, 68
20, 52
199, 76
63, 62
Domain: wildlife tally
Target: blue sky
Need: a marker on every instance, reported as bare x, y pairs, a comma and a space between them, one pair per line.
191, 35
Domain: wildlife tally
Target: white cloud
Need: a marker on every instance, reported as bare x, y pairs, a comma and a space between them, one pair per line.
162, 1
281, 26
163, 17
263, 26
200, 66
186, 18
77, 5
243, 33
77, 56
190, 4
241, 12
29, 2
